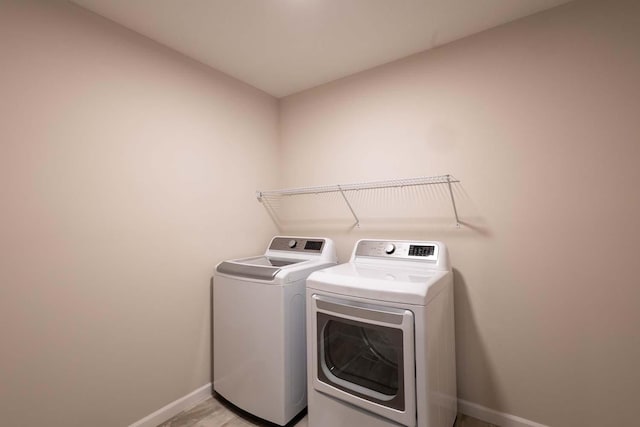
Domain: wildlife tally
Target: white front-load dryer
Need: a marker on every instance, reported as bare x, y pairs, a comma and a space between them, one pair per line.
380, 338
259, 344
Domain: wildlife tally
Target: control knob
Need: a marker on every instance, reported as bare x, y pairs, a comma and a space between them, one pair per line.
292, 243
390, 248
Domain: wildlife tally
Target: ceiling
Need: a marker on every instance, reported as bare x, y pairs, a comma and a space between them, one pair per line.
285, 46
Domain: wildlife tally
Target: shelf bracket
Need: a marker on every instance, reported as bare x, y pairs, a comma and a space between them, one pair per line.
357, 224
453, 201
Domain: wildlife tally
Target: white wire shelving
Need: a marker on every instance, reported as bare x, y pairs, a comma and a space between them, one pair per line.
344, 189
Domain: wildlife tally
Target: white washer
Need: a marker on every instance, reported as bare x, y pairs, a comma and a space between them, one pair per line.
380, 338
259, 344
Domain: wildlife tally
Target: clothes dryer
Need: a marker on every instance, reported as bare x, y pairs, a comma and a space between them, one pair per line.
259, 345
380, 338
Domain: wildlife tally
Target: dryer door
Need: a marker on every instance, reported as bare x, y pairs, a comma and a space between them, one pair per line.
364, 354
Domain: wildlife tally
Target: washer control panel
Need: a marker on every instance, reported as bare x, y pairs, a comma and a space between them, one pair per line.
297, 244
421, 251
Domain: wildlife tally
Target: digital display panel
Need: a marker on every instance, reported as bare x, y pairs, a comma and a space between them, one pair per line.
415, 250
313, 245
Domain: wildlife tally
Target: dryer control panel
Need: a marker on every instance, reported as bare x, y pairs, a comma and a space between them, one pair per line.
420, 251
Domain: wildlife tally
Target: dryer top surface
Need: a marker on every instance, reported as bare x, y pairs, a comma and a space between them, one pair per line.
398, 283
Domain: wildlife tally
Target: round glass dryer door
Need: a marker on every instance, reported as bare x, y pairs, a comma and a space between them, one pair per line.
361, 358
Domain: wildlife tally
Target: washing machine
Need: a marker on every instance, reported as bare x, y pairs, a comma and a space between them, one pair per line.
380, 338
259, 344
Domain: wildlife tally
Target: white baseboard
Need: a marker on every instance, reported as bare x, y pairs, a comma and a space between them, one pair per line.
175, 407
468, 408
494, 417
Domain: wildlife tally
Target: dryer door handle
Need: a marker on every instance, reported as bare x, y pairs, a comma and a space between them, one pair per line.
353, 309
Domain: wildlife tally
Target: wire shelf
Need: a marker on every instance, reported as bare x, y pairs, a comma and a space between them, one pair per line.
272, 196
373, 185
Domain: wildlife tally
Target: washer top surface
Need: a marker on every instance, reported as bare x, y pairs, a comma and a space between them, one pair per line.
287, 259
390, 271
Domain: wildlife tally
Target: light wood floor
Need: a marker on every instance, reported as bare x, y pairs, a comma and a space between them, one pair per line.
215, 413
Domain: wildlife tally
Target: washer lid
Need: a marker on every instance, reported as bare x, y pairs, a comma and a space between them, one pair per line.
287, 259
260, 267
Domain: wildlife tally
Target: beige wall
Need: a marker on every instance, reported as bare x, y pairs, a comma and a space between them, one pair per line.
126, 173
539, 119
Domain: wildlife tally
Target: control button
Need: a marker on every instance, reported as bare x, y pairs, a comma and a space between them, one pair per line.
390, 248
292, 243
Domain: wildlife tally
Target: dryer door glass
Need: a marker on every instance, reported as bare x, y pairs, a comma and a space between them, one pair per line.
362, 358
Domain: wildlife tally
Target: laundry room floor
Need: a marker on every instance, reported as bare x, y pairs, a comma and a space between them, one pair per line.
214, 413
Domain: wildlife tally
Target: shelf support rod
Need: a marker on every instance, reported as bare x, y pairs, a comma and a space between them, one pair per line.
349, 206
453, 201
